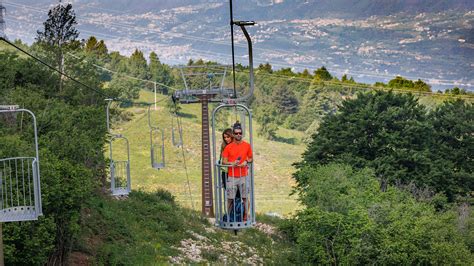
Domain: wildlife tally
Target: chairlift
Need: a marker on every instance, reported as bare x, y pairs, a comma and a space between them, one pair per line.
20, 185
120, 179
157, 144
233, 212
176, 140
120, 183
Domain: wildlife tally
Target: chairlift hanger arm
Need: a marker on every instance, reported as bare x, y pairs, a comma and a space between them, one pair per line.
242, 23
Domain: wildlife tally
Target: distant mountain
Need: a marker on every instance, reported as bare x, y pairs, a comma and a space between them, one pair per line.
291, 9
372, 40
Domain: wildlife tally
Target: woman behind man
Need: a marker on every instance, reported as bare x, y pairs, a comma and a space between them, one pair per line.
227, 138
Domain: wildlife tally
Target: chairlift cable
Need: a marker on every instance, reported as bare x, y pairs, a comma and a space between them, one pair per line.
68, 76
53, 68
233, 50
184, 163
122, 74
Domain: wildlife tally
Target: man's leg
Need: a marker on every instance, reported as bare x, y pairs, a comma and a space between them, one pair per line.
231, 192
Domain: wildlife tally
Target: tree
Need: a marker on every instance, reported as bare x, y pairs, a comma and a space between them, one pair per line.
420, 85
285, 72
284, 99
137, 66
123, 87
265, 116
344, 78
96, 47
72, 159
159, 72
385, 131
265, 68
453, 167
305, 74
322, 74
59, 32
347, 220
402, 83
455, 91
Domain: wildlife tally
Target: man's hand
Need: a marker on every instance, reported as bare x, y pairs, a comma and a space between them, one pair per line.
244, 163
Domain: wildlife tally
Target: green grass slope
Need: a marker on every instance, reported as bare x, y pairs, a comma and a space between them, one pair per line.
149, 228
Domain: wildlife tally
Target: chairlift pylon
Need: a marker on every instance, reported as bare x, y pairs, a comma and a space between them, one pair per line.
157, 144
120, 178
20, 185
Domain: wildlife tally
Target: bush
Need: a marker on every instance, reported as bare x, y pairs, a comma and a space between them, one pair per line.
348, 220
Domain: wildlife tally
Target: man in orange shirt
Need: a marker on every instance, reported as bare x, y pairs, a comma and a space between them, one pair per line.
238, 155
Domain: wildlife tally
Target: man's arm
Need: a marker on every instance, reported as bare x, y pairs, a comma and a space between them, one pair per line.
250, 155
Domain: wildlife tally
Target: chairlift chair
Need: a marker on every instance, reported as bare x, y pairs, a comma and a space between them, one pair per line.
227, 217
176, 140
120, 179
120, 183
20, 185
157, 144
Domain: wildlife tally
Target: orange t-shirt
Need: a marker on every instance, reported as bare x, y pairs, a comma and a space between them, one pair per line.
234, 151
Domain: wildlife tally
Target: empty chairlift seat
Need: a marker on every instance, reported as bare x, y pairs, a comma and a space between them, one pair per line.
20, 187
157, 144
120, 169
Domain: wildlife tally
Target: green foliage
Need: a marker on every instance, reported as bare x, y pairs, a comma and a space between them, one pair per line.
28, 243
265, 116
265, 68
159, 72
349, 220
60, 27
322, 74
123, 87
453, 169
141, 229
344, 79
382, 130
95, 47
402, 83
284, 99
71, 134
393, 134
137, 65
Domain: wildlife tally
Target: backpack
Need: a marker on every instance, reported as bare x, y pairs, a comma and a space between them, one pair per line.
237, 210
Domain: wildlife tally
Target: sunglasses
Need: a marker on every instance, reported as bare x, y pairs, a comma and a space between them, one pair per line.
237, 133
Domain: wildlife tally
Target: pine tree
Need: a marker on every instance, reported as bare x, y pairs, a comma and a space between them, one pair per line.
322, 74
59, 33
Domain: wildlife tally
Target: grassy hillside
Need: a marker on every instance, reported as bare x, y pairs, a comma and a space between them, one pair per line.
150, 229
273, 160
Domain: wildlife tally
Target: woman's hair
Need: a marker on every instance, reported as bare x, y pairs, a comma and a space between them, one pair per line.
229, 133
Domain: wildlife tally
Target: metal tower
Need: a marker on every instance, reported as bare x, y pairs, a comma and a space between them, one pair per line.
2, 21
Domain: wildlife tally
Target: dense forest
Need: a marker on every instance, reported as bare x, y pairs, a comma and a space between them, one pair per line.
385, 179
